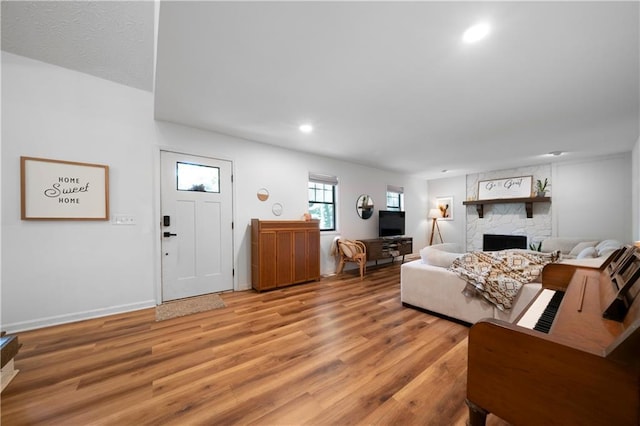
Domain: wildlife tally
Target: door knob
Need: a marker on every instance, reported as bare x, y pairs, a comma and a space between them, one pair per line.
169, 234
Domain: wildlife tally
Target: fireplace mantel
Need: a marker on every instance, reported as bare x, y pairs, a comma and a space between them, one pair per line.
528, 203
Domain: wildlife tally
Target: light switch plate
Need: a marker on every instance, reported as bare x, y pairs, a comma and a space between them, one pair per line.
123, 219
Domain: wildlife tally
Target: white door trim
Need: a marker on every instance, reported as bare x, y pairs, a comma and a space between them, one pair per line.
157, 212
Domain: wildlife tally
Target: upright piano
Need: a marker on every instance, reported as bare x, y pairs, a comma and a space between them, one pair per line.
571, 358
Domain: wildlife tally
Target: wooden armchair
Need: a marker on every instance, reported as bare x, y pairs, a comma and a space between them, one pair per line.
352, 251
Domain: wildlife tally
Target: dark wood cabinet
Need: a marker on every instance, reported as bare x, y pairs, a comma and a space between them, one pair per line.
388, 248
284, 253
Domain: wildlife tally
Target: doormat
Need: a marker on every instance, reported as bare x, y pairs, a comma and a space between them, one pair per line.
191, 305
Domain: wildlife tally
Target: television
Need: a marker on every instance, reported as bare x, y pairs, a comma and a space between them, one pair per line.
390, 223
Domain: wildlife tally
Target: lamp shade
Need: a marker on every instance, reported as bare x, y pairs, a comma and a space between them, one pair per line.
435, 214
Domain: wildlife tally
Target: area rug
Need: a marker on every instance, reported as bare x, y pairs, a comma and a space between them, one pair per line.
191, 305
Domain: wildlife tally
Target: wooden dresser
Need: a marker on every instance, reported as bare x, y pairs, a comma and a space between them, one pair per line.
284, 253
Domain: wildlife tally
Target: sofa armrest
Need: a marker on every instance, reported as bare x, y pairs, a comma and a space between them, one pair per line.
439, 290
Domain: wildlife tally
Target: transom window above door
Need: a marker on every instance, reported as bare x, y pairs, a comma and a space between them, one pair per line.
196, 177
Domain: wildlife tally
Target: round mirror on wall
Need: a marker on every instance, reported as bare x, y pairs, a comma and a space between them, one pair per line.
364, 206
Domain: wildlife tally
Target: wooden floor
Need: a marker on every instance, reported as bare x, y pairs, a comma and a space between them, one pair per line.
335, 352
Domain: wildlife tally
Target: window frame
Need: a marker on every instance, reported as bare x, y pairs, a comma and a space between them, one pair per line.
197, 187
323, 183
396, 193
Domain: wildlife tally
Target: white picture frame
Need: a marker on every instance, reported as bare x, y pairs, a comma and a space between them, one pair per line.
445, 205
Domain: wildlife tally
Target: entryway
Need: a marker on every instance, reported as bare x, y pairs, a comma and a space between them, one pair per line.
196, 229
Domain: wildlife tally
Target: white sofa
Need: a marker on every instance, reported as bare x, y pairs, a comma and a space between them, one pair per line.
431, 286
581, 252
427, 284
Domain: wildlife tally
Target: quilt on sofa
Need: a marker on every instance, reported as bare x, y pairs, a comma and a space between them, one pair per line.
498, 276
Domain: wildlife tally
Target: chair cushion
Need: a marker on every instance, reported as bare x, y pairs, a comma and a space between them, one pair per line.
347, 249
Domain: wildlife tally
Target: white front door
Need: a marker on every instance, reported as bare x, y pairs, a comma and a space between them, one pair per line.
196, 225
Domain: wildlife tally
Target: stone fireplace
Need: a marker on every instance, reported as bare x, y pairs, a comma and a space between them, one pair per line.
509, 218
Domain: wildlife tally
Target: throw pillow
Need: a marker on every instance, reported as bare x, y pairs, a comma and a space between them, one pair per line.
436, 257
607, 246
588, 253
575, 251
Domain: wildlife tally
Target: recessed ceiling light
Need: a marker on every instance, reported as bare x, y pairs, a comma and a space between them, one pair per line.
556, 153
476, 32
306, 128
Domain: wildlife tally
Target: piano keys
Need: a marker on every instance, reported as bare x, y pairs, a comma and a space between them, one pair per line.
541, 313
583, 368
545, 321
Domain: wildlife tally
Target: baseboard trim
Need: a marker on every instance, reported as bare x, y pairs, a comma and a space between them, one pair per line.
76, 316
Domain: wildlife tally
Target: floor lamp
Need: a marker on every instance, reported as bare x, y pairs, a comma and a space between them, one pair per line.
434, 214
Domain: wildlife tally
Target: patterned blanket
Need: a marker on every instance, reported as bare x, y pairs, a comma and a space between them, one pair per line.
498, 275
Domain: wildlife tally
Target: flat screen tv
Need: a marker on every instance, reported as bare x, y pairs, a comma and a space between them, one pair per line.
390, 223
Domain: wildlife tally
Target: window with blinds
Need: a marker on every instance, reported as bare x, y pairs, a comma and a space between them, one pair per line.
395, 198
322, 200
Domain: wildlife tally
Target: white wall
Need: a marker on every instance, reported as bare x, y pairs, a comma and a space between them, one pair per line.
56, 272
59, 271
452, 231
592, 198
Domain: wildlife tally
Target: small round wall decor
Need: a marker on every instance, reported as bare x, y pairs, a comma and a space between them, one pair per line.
276, 209
263, 194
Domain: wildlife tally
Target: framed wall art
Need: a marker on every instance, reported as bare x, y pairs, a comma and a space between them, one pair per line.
513, 187
445, 205
63, 190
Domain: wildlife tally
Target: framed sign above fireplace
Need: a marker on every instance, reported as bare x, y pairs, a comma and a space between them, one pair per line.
513, 187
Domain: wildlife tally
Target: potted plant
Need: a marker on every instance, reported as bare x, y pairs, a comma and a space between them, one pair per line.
541, 187
535, 246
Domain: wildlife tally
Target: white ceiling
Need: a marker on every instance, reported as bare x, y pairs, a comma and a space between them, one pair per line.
108, 39
386, 84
